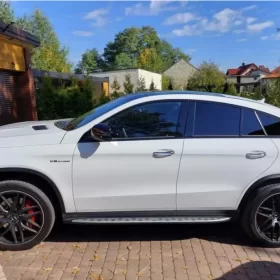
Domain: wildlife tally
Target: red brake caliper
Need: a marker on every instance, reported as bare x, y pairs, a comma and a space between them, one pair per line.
27, 205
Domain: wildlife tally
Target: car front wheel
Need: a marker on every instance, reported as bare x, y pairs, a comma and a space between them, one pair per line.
261, 218
26, 215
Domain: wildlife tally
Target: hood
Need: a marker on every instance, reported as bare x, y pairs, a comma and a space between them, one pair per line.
32, 133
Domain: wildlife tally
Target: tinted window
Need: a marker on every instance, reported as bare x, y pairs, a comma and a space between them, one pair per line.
215, 119
270, 123
149, 120
101, 110
251, 125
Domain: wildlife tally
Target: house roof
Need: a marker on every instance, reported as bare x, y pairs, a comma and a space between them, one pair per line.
121, 70
276, 70
65, 76
272, 76
233, 71
18, 35
179, 61
264, 69
243, 68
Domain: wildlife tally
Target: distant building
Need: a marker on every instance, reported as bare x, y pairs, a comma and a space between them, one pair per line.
275, 74
135, 75
246, 76
179, 73
17, 92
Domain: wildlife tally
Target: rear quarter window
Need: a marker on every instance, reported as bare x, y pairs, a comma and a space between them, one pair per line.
250, 124
270, 123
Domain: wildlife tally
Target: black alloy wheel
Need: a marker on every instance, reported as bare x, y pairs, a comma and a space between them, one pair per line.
268, 218
26, 215
21, 217
260, 217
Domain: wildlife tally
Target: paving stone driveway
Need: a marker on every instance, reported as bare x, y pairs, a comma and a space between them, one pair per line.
143, 252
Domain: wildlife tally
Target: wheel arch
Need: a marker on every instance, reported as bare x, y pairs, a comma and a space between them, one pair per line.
40, 180
267, 180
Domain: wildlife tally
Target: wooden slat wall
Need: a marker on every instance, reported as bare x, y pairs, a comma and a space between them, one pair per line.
11, 56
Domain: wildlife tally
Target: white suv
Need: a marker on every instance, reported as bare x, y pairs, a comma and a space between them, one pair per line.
158, 157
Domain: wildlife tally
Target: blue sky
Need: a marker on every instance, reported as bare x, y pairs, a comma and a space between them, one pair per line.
227, 33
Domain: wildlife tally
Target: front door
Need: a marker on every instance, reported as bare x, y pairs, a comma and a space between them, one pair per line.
137, 169
225, 151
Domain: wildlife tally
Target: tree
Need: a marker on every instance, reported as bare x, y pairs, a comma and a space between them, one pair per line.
128, 46
208, 78
150, 60
229, 89
89, 63
128, 86
165, 82
50, 55
115, 86
6, 12
170, 86
272, 92
152, 86
141, 84
124, 61
170, 55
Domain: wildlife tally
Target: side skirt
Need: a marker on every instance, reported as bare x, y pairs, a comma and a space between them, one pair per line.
143, 217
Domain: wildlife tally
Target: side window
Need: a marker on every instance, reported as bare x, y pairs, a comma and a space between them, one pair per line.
270, 123
216, 119
157, 119
250, 124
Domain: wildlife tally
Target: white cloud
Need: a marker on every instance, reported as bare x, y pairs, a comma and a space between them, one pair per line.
238, 22
264, 37
271, 37
153, 8
221, 22
250, 19
239, 31
119, 18
82, 33
187, 30
99, 17
249, 8
96, 14
190, 51
241, 40
180, 18
257, 27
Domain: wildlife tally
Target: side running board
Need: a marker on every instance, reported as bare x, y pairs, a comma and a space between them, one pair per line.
144, 220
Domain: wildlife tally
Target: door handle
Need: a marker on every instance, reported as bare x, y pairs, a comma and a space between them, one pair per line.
163, 153
255, 154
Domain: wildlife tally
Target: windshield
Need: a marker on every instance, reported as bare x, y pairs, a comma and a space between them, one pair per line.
99, 111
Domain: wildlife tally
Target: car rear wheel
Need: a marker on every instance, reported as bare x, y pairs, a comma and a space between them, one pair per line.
261, 218
26, 215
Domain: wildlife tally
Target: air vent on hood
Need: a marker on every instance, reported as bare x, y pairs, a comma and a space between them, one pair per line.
39, 127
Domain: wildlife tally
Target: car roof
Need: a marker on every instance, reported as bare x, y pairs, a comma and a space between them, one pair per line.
256, 104
186, 92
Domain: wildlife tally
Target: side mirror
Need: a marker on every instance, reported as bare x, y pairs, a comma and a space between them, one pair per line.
101, 132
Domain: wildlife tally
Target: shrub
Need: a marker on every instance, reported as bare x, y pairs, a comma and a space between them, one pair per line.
64, 101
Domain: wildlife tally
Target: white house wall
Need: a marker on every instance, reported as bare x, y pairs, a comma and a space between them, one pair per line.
149, 78
120, 76
135, 74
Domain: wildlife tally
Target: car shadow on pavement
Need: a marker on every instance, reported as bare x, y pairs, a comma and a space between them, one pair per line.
228, 233
253, 270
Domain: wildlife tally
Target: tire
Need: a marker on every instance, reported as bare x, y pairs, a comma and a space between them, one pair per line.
253, 221
28, 224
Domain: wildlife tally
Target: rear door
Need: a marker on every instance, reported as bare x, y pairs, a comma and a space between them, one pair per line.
225, 149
